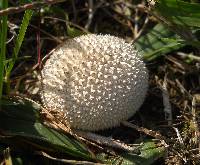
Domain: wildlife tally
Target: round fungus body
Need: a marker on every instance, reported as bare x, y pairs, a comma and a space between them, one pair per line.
96, 80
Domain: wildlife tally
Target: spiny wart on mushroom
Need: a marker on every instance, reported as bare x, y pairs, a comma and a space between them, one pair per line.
96, 80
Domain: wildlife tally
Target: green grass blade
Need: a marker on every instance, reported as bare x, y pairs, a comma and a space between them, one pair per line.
18, 43
3, 37
22, 31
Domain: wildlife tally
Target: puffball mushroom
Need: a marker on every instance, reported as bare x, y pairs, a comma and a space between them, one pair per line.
98, 81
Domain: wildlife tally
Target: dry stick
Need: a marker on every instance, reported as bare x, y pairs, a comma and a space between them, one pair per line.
67, 160
74, 11
152, 133
181, 87
194, 120
69, 22
38, 39
190, 55
142, 29
166, 102
107, 141
136, 19
33, 5
181, 142
90, 14
48, 34
12, 28
55, 120
180, 139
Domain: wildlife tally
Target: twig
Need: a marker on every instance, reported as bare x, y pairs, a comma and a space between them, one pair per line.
33, 5
90, 14
12, 31
195, 124
140, 7
107, 141
194, 57
70, 23
136, 20
74, 11
142, 28
152, 133
88, 142
39, 41
166, 102
67, 160
179, 63
180, 86
54, 119
48, 34
180, 139
181, 151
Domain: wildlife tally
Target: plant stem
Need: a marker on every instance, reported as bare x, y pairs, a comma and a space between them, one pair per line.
3, 37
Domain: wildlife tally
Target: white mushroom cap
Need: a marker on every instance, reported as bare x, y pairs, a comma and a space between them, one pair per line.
96, 80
